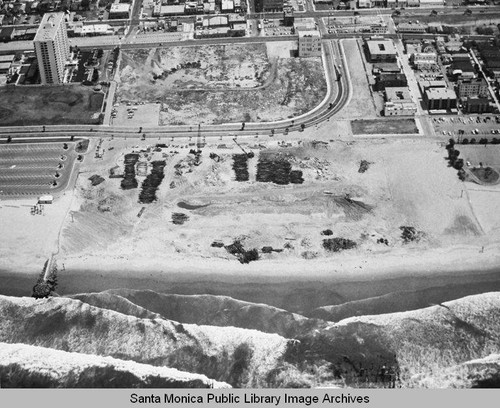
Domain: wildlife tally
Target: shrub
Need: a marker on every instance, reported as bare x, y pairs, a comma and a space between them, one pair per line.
338, 244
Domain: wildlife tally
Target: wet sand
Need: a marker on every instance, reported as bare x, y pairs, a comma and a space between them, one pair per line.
295, 295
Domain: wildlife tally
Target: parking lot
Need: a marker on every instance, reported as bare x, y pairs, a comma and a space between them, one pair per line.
468, 126
35, 169
135, 114
273, 28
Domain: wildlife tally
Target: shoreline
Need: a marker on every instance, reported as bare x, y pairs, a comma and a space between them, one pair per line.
298, 286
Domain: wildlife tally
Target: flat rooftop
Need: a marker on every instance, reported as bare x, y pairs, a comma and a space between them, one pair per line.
308, 33
49, 25
441, 93
381, 47
120, 8
398, 94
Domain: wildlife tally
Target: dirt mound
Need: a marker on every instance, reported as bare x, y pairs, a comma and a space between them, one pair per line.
38, 367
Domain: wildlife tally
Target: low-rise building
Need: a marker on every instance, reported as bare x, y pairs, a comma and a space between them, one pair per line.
262, 6
410, 27
424, 60
381, 50
227, 6
399, 102
365, 4
387, 67
169, 10
119, 11
431, 3
424, 85
388, 79
462, 69
440, 99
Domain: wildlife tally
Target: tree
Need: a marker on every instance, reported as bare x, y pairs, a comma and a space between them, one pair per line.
465, 141
459, 164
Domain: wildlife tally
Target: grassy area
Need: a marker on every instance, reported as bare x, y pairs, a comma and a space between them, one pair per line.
486, 174
54, 105
380, 126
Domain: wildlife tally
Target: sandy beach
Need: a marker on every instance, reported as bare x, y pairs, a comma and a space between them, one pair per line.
408, 183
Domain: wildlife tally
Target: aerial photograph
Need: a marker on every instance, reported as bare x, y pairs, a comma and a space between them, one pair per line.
250, 194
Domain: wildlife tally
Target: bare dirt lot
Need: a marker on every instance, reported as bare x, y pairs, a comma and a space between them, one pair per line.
383, 126
147, 73
38, 105
188, 82
361, 103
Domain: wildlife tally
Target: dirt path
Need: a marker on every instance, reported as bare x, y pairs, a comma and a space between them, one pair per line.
268, 82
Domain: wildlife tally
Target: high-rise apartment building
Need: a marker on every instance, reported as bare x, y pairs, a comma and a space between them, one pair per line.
52, 48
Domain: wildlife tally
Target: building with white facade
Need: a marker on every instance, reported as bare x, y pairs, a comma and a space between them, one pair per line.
52, 48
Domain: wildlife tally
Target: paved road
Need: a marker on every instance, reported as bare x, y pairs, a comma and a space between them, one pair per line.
334, 62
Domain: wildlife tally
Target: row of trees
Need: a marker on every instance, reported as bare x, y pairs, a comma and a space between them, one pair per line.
481, 141
453, 158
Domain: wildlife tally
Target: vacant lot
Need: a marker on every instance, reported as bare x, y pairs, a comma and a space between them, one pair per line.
381, 126
223, 83
55, 105
297, 88
147, 74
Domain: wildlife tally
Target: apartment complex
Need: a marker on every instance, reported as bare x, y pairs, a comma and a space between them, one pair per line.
52, 48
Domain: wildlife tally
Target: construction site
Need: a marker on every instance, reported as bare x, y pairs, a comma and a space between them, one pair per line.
218, 84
